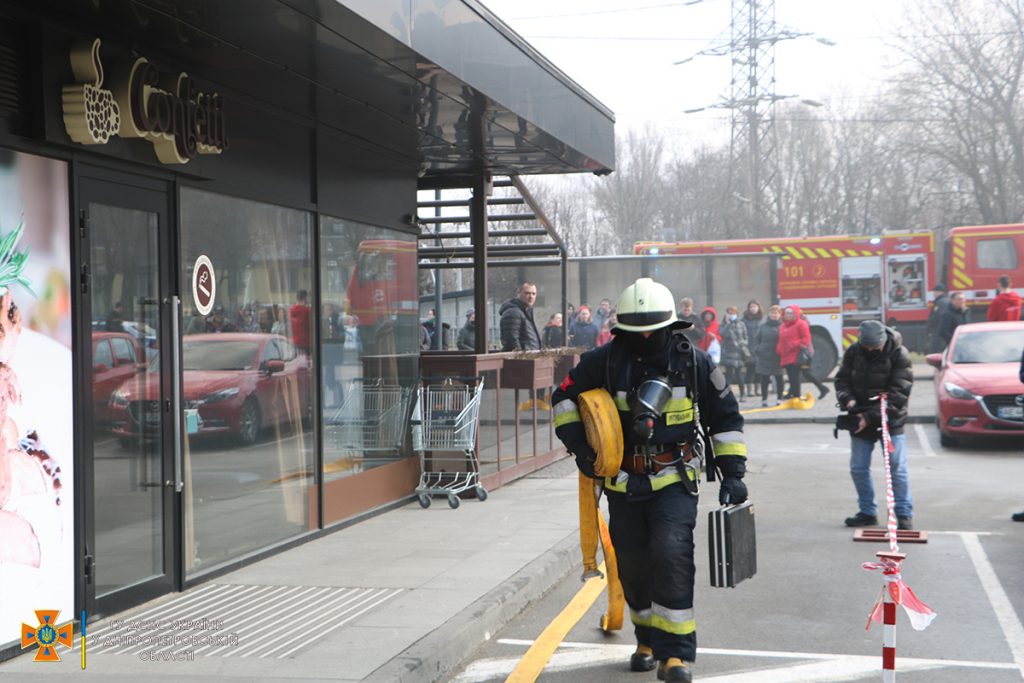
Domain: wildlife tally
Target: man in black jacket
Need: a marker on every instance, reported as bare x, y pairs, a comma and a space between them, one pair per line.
939, 306
952, 316
878, 362
518, 330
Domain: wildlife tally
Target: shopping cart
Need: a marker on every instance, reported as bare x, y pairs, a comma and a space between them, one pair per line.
445, 419
371, 418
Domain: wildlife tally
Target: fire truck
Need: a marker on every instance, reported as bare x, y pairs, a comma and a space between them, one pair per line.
375, 297
840, 281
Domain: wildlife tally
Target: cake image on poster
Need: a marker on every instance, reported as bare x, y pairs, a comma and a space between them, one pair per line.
30, 480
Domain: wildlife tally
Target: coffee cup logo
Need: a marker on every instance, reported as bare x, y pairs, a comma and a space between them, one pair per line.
91, 116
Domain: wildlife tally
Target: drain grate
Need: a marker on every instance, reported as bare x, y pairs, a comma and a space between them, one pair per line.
234, 620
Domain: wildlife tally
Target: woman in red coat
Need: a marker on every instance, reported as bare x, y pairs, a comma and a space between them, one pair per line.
711, 342
795, 334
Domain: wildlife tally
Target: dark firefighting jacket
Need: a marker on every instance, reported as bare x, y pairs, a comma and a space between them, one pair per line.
611, 367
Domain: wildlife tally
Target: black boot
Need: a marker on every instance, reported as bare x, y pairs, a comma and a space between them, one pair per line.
860, 519
642, 659
673, 669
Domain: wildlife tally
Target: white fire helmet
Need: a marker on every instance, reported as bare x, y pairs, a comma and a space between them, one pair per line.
645, 306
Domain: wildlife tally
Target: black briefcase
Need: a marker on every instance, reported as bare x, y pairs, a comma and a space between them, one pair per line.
732, 546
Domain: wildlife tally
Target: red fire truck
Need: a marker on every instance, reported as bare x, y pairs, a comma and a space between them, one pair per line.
377, 298
841, 280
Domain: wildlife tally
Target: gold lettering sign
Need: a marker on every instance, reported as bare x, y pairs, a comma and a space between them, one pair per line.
172, 114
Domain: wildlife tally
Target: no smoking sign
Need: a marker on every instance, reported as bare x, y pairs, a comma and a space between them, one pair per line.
204, 285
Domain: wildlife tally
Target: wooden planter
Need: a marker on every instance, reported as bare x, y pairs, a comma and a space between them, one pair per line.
528, 373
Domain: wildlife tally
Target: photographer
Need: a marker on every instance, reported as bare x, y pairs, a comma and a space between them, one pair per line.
878, 362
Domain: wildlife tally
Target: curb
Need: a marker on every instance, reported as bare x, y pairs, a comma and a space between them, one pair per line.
911, 419
439, 652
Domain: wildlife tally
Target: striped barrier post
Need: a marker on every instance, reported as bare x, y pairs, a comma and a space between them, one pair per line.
894, 592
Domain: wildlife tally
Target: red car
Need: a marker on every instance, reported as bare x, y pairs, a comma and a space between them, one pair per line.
978, 384
115, 359
239, 382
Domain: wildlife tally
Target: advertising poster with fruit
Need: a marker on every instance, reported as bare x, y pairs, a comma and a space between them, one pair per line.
36, 423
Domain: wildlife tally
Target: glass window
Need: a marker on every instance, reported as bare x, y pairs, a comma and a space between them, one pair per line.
251, 477
272, 352
102, 356
989, 347
123, 351
369, 345
998, 254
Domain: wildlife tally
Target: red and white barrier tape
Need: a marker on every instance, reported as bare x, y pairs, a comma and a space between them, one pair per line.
887, 449
894, 592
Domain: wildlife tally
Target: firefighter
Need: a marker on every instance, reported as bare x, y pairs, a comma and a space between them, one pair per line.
653, 373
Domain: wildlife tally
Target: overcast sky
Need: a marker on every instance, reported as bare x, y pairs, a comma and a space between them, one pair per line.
622, 51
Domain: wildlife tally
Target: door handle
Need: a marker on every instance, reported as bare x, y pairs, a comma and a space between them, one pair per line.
177, 480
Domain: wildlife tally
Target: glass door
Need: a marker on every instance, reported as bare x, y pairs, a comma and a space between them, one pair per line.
131, 481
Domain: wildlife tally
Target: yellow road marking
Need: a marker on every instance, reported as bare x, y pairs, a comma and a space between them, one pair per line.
536, 658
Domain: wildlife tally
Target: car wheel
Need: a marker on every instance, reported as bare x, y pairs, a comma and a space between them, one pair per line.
249, 422
825, 354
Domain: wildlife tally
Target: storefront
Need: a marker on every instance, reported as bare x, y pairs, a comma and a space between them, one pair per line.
207, 234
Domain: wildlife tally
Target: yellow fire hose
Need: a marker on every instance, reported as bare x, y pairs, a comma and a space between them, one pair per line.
805, 402
604, 434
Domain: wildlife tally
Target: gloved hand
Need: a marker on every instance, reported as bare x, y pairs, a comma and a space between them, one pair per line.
732, 491
585, 458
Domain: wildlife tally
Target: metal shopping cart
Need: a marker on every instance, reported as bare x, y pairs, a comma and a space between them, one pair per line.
445, 419
371, 418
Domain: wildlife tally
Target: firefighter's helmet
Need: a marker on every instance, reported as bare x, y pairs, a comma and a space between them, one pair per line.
645, 306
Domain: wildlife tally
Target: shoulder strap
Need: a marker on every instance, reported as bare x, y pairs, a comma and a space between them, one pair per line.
687, 356
613, 364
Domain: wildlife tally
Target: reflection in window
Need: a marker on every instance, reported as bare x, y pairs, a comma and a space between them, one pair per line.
369, 344
249, 455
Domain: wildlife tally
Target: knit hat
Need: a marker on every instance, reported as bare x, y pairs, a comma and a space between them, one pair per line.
872, 333
469, 313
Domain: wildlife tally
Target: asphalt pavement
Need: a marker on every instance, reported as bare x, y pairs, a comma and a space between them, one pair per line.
411, 594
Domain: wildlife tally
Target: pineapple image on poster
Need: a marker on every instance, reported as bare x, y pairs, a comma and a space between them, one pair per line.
36, 423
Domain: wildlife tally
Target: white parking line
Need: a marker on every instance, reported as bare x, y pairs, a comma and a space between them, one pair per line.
929, 452
1009, 622
822, 668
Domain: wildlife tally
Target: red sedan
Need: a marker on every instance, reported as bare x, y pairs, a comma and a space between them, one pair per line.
978, 385
239, 382
115, 358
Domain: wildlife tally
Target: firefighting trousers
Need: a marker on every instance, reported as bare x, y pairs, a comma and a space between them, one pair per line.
653, 541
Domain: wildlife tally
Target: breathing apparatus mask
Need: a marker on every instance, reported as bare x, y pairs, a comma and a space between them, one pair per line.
638, 344
647, 404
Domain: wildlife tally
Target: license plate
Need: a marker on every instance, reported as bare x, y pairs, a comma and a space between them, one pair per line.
1011, 412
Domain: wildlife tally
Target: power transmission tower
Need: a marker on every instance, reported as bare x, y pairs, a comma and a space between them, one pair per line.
752, 99
753, 35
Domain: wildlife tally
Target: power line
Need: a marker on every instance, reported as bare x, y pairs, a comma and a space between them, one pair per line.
838, 38
604, 11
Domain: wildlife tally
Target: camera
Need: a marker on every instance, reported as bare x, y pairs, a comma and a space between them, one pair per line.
847, 422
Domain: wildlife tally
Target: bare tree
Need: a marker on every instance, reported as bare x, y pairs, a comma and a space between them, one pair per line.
962, 92
627, 201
